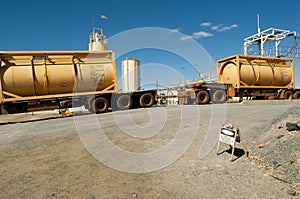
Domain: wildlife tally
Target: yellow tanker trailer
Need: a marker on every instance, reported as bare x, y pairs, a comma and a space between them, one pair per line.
256, 77
62, 79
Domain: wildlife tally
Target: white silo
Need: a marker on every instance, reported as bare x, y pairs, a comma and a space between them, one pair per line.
130, 75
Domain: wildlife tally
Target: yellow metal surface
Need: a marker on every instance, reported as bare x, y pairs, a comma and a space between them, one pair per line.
29, 74
255, 72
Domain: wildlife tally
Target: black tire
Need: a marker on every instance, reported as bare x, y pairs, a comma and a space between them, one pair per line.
90, 104
219, 97
146, 100
296, 95
124, 102
17, 108
202, 97
100, 105
288, 95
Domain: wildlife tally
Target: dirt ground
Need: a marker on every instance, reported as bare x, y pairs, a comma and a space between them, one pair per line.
47, 159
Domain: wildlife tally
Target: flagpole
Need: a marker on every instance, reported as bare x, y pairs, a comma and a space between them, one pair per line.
93, 23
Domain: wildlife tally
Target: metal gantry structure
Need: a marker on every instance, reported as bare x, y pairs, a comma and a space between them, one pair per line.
272, 36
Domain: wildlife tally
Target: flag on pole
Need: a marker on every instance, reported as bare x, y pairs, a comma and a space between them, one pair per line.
103, 17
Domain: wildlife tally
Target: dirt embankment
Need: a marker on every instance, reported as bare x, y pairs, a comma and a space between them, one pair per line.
277, 150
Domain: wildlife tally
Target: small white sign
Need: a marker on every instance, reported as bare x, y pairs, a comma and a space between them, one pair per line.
231, 136
227, 136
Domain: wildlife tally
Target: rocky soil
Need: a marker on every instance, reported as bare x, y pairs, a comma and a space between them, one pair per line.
278, 153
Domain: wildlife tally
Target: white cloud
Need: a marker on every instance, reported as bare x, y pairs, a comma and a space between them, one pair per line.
206, 24
174, 30
227, 28
186, 37
201, 34
216, 27
196, 35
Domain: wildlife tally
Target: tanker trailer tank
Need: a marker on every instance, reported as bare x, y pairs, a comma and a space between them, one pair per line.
39, 75
257, 76
49, 74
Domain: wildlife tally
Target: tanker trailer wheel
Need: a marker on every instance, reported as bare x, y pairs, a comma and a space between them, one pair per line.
100, 105
146, 100
219, 97
17, 108
202, 97
288, 95
296, 95
124, 102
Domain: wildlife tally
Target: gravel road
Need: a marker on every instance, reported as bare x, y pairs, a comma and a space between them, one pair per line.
59, 158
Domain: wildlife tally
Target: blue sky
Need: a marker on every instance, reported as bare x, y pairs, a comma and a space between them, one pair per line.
219, 26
